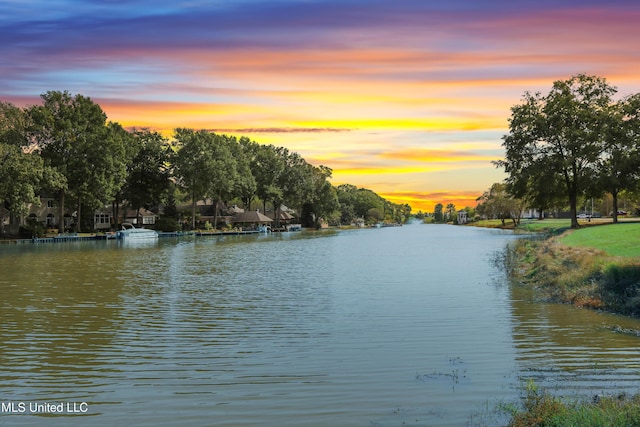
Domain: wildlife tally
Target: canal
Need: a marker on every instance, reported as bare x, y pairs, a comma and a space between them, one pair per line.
405, 326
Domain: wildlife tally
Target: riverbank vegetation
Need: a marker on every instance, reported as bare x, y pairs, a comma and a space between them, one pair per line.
595, 267
66, 148
577, 140
541, 408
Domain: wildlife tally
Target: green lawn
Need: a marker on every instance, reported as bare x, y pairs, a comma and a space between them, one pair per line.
549, 225
622, 239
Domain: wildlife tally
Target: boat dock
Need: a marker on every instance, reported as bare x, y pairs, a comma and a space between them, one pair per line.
75, 237
224, 233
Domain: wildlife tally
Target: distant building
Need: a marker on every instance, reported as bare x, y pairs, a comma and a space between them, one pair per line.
462, 217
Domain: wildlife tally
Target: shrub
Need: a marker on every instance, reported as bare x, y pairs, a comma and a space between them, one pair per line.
167, 224
621, 279
540, 409
33, 228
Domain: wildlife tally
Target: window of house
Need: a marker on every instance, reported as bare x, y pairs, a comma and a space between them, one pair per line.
101, 219
49, 203
148, 220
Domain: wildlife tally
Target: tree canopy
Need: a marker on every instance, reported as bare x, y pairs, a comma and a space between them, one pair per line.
66, 147
574, 140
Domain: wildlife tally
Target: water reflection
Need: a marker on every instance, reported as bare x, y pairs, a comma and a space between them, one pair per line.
57, 319
382, 327
575, 351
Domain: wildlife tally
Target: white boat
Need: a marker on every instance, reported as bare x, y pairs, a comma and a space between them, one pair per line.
129, 232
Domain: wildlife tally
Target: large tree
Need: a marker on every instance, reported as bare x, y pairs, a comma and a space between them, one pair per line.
618, 169
346, 197
368, 205
267, 167
438, 216
13, 125
560, 133
74, 139
148, 174
498, 203
20, 172
244, 186
21, 175
204, 166
225, 182
321, 202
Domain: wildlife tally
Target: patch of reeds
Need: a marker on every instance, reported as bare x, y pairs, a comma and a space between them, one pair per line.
582, 276
541, 409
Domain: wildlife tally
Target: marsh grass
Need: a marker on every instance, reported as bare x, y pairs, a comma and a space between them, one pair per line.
541, 409
595, 267
580, 275
558, 273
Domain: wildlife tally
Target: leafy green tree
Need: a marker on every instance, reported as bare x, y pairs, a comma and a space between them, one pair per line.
126, 141
471, 212
366, 200
13, 125
204, 166
541, 191
398, 213
193, 163
561, 133
294, 184
498, 203
245, 186
618, 167
225, 182
438, 215
21, 175
73, 137
267, 166
451, 212
322, 201
346, 194
148, 180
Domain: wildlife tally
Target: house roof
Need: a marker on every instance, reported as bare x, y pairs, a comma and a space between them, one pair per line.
284, 216
251, 216
132, 213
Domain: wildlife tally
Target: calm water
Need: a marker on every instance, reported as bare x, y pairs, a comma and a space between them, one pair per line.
386, 327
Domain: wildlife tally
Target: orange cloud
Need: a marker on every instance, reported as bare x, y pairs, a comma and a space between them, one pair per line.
426, 201
438, 156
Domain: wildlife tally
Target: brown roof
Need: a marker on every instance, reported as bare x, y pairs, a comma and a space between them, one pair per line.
251, 216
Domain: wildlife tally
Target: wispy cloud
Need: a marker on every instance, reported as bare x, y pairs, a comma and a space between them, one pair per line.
438, 156
416, 92
279, 130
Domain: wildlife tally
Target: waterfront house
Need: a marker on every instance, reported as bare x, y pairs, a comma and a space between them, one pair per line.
253, 218
462, 216
144, 217
103, 219
46, 213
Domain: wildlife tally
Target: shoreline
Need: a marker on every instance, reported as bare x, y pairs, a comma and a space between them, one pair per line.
583, 275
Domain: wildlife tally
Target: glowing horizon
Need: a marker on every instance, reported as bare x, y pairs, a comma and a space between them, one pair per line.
408, 99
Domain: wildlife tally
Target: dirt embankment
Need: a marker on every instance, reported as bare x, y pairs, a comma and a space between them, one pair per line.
581, 276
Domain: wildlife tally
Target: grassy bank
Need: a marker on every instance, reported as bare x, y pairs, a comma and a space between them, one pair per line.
617, 240
594, 267
542, 409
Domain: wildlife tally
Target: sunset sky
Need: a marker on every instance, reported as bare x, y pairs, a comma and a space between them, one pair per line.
409, 98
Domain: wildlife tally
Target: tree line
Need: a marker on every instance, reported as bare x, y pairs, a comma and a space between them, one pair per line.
67, 147
575, 142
